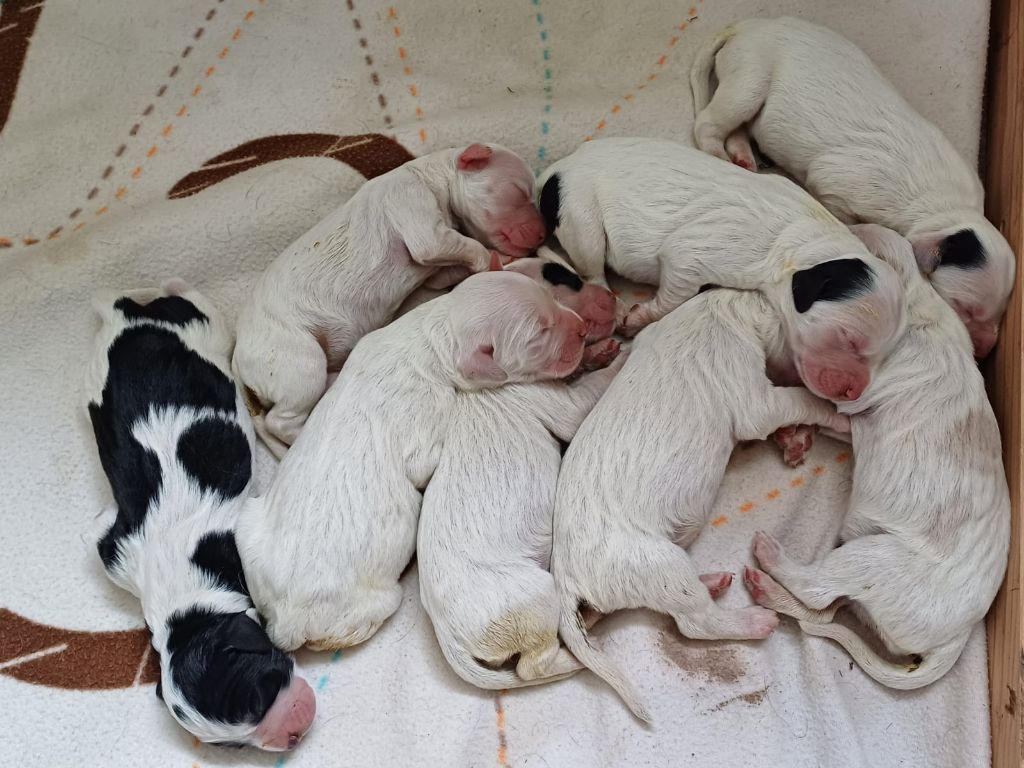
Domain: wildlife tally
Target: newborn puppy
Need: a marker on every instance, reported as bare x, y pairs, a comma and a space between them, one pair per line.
484, 538
175, 442
819, 107
348, 275
925, 539
660, 213
324, 548
640, 479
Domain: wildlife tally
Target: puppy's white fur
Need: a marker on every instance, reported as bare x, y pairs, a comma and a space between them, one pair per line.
926, 535
324, 548
348, 275
484, 540
639, 480
819, 107
661, 213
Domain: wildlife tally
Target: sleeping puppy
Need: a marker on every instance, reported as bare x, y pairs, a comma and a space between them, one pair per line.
176, 444
818, 106
324, 548
661, 213
640, 479
484, 539
924, 542
348, 275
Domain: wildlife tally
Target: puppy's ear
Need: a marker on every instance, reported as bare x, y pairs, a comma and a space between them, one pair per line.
834, 280
474, 158
479, 365
962, 249
246, 636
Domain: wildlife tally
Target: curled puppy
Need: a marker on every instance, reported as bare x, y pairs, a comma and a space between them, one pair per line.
925, 540
661, 213
348, 275
818, 106
176, 444
484, 537
640, 479
324, 548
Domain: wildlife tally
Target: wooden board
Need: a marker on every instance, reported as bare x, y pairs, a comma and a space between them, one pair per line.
1003, 169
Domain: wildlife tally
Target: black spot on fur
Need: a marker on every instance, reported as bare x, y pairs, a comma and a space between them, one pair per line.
224, 665
835, 280
217, 554
556, 274
216, 454
159, 690
179, 712
149, 368
962, 249
170, 309
550, 203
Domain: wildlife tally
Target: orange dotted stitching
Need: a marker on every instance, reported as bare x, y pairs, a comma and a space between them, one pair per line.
651, 77
403, 56
499, 719
720, 521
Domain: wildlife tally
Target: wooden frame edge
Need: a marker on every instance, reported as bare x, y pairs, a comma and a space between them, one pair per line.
1003, 169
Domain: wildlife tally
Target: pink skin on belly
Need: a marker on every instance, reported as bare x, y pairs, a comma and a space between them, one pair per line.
288, 718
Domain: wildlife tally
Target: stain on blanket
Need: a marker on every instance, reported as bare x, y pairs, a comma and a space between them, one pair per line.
714, 663
753, 699
370, 154
17, 23
74, 659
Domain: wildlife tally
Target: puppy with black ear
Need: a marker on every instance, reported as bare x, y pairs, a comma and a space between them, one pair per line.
660, 213
176, 444
819, 107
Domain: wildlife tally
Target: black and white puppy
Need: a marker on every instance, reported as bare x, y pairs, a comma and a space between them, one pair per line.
176, 444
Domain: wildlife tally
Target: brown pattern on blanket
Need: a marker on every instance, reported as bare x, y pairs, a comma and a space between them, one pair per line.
371, 154
74, 659
17, 23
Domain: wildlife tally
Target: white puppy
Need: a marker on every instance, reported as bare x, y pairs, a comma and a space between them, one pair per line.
926, 535
324, 548
348, 275
640, 478
661, 213
818, 106
484, 540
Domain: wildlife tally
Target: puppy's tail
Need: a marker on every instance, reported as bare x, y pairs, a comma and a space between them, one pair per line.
703, 66
574, 635
934, 665
470, 669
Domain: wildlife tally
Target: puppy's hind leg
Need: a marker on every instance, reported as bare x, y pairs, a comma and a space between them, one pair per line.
358, 623
297, 382
742, 85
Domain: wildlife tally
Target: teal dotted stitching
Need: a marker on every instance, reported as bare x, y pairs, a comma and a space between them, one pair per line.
321, 683
545, 126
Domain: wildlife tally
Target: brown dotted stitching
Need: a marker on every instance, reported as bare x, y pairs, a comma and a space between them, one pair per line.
374, 77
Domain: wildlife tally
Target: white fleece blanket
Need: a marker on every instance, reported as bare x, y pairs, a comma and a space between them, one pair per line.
197, 138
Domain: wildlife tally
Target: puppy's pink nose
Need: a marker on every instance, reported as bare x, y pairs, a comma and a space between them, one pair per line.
288, 718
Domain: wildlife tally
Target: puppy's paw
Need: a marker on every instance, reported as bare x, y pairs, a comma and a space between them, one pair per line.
716, 582
599, 354
795, 441
761, 622
841, 424
634, 321
760, 585
767, 550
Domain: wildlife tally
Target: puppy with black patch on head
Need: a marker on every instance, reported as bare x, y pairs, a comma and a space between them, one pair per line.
433, 217
660, 213
819, 107
176, 444
325, 547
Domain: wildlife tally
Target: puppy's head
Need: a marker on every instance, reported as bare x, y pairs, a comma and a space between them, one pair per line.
972, 267
225, 682
594, 303
508, 328
492, 196
845, 316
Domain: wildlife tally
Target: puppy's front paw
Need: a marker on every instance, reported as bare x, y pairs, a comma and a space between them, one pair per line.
795, 441
716, 582
634, 321
762, 622
767, 550
599, 354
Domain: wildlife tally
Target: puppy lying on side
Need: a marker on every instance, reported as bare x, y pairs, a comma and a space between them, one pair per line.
661, 213
484, 539
175, 442
640, 479
348, 275
819, 107
926, 535
324, 548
